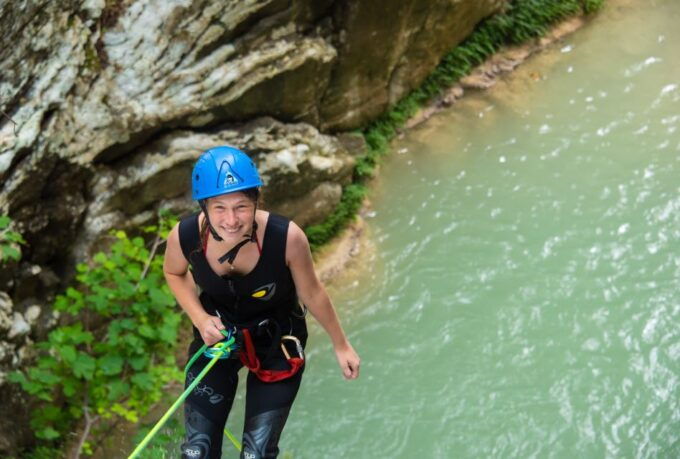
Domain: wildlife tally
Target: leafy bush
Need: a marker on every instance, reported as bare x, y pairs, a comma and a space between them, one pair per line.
114, 354
9, 241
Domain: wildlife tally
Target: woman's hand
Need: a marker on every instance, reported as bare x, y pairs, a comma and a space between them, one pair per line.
209, 327
348, 360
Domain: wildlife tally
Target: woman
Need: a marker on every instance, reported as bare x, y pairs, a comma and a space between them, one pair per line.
251, 267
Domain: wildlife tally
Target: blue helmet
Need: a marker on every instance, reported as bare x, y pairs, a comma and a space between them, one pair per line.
223, 170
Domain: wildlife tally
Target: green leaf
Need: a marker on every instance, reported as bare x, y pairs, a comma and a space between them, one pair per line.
10, 252
17, 377
61, 303
99, 258
42, 376
51, 413
146, 331
118, 390
48, 362
70, 387
76, 335
74, 294
127, 324
159, 297
133, 341
48, 433
68, 353
14, 237
168, 333
4, 221
36, 389
143, 380
139, 363
84, 366
111, 364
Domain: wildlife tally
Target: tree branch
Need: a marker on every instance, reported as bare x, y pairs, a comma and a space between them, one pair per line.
89, 422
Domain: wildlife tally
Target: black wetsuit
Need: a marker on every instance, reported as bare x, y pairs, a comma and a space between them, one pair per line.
267, 292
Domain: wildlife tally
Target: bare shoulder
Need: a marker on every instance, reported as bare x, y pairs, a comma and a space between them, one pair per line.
174, 261
296, 235
173, 235
262, 217
296, 242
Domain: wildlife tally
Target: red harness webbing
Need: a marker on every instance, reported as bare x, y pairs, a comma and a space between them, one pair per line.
250, 360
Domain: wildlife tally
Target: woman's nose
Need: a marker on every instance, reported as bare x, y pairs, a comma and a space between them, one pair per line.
230, 218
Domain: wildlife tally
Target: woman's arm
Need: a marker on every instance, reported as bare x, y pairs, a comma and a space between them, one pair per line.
181, 283
313, 294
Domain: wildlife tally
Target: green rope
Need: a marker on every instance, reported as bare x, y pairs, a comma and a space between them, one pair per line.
221, 350
206, 351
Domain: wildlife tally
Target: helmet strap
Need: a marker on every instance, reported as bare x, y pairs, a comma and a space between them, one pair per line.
204, 208
231, 254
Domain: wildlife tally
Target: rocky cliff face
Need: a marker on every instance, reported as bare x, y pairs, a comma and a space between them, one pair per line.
114, 99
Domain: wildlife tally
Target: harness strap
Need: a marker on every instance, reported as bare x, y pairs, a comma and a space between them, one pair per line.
250, 360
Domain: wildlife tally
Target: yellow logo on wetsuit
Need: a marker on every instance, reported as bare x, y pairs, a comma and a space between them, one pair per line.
265, 292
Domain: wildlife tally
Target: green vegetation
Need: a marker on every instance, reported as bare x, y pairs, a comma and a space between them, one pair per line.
10, 241
113, 354
522, 20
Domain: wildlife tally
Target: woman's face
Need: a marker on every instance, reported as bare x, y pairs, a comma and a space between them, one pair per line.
231, 215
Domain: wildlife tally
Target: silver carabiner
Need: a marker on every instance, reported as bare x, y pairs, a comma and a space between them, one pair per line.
298, 346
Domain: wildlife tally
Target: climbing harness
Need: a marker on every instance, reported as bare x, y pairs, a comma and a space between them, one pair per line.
250, 360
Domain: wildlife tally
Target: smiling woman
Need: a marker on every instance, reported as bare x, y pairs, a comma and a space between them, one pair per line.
253, 268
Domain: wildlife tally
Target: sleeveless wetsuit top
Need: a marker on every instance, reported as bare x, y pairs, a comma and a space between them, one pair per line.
265, 292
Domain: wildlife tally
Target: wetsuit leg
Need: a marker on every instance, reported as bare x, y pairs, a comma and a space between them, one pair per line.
267, 408
207, 407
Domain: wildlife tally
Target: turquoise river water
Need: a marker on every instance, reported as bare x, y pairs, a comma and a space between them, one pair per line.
520, 296
518, 293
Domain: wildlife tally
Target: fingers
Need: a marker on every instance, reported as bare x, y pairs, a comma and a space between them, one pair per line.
351, 370
349, 362
211, 337
347, 371
218, 323
211, 330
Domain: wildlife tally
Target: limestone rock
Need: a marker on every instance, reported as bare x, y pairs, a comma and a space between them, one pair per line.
6, 306
385, 51
19, 326
478, 80
311, 208
32, 314
293, 159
